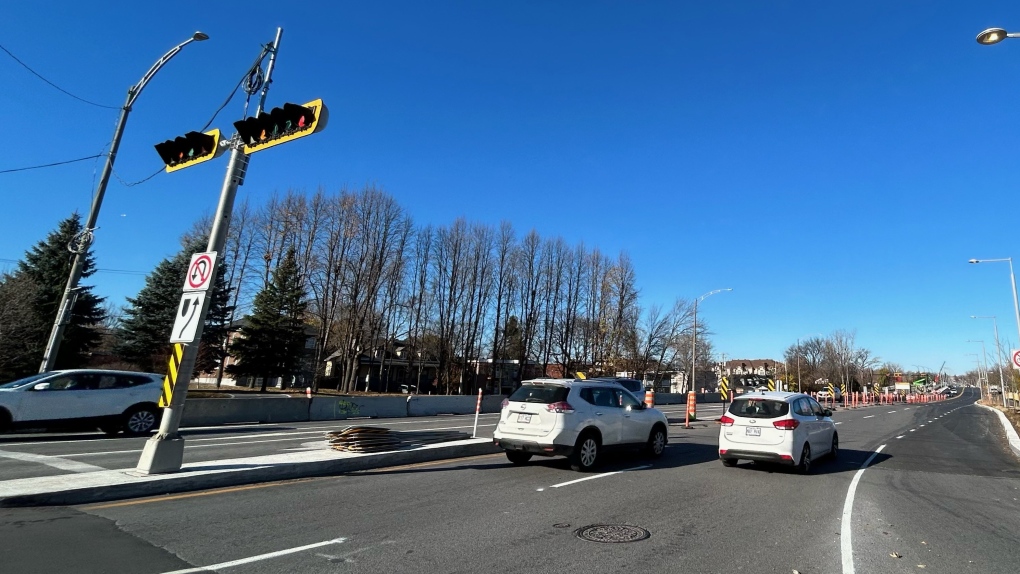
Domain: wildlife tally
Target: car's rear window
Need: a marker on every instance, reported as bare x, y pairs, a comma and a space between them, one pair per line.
545, 394
759, 408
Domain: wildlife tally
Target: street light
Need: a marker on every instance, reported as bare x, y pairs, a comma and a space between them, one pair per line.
84, 240
984, 359
694, 335
994, 36
998, 354
1012, 279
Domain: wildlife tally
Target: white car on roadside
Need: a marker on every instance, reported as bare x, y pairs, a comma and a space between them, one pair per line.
777, 427
578, 419
113, 401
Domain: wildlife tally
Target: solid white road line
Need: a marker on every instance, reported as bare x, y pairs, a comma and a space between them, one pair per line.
54, 461
258, 558
846, 544
603, 475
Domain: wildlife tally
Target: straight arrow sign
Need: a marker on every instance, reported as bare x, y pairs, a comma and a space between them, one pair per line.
188, 314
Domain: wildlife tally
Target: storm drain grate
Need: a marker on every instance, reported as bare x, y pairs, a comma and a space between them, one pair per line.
612, 533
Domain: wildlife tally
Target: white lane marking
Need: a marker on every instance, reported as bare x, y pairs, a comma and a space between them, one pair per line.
258, 558
891, 412
912, 430
920, 426
869, 416
846, 544
54, 461
603, 475
901, 436
839, 423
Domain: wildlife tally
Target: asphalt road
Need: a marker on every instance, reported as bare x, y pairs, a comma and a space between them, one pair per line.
52, 454
941, 497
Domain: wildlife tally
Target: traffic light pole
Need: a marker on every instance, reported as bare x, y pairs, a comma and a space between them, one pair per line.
164, 452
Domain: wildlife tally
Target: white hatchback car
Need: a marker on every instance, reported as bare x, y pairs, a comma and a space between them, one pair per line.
779, 427
111, 400
577, 419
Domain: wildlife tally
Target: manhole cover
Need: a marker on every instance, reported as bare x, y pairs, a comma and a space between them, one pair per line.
612, 533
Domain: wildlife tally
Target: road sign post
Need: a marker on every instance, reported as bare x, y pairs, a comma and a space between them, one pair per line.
164, 452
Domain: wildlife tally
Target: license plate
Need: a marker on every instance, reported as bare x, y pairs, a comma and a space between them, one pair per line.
524, 418
753, 431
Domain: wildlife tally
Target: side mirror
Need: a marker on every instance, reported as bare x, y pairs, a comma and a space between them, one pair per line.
827, 413
41, 387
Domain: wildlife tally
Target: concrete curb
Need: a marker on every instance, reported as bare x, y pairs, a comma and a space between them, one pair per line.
1011, 434
90, 487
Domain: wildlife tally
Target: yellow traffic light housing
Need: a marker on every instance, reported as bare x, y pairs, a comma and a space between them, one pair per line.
190, 149
282, 125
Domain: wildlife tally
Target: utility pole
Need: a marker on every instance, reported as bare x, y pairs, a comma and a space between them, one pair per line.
84, 239
164, 452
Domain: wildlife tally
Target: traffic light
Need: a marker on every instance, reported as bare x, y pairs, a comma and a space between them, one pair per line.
189, 149
282, 125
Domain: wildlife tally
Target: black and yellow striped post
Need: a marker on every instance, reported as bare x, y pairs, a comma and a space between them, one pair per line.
170, 380
842, 389
772, 385
724, 389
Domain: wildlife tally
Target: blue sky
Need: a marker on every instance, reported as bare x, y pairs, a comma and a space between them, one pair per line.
836, 164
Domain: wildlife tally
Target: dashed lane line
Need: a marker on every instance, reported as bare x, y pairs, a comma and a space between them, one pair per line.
593, 477
259, 558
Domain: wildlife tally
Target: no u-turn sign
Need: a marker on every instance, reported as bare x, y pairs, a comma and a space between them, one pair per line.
1014, 356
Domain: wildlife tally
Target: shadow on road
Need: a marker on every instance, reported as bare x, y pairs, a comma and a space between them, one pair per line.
849, 461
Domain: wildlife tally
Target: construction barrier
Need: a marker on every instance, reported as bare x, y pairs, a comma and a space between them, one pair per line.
649, 398
692, 407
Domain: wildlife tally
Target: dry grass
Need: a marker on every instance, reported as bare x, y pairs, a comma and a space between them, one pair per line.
1012, 413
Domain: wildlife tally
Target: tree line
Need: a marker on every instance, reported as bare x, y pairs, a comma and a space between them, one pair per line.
351, 271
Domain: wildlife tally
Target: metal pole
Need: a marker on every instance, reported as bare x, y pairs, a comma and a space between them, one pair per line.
66, 304
798, 365
694, 345
164, 452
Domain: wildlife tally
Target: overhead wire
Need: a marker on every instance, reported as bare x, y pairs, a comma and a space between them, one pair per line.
38, 75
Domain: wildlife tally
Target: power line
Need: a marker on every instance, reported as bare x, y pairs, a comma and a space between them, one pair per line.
54, 85
49, 164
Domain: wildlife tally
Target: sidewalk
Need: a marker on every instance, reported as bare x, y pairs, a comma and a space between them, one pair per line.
88, 487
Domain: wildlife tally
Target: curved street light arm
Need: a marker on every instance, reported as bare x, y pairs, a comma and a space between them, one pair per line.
136, 89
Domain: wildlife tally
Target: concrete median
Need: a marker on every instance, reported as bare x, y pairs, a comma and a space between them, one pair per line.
91, 487
349, 407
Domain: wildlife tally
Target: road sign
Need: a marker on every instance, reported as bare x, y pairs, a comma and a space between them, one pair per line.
724, 389
772, 385
170, 380
1015, 354
200, 272
189, 315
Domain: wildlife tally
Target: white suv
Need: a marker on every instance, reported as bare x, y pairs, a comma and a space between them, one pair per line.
785, 428
111, 400
577, 419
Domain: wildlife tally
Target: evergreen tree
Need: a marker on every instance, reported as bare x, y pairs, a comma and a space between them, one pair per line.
144, 335
47, 266
272, 342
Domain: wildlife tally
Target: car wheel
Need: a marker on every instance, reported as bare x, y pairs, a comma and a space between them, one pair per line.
656, 443
834, 452
140, 420
586, 452
518, 457
728, 462
805, 460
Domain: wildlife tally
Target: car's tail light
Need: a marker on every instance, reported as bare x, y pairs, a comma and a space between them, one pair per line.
504, 404
786, 424
560, 407
723, 451
786, 457
726, 421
